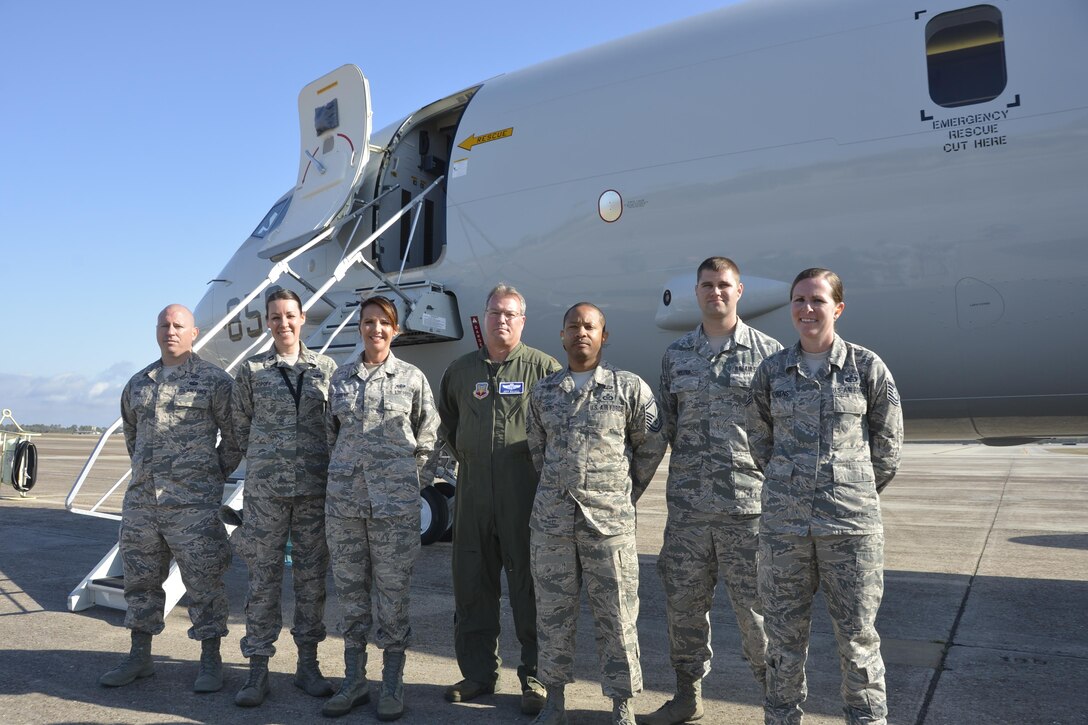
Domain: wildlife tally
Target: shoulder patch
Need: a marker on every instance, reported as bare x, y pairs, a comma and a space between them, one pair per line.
893, 394
653, 419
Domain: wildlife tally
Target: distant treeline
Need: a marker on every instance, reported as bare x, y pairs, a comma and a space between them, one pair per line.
53, 428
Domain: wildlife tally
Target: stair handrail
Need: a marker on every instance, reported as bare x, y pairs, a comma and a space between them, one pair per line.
407, 249
68, 502
278, 270
317, 294
356, 255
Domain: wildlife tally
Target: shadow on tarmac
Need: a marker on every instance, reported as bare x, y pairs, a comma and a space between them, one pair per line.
1059, 541
988, 635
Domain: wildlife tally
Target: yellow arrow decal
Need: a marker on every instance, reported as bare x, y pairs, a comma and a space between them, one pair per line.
473, 140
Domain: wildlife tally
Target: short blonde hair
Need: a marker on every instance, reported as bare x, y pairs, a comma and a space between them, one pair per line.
504, 290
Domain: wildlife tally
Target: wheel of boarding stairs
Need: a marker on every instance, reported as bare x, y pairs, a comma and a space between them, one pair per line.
24, 466
434, 515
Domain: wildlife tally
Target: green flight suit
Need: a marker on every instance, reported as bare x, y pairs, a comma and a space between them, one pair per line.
483, 406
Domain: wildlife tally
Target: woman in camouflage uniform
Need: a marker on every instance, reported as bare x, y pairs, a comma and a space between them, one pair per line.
825, 427
382, 427
278, 408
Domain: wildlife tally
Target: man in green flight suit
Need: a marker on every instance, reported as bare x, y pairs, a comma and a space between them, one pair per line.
483, 403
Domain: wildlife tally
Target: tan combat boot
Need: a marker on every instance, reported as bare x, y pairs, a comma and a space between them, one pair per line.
687, 705
210, 677
555, 707
391, 701
256, 688
354, 690
136, 665
308, 677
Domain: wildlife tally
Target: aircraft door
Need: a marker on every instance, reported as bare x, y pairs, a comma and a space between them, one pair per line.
335, 126
418, 154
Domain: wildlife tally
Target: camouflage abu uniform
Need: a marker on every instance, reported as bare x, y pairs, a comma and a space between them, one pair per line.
287, 460
171, 506
596, 448
826, 445
713, 494
382, 432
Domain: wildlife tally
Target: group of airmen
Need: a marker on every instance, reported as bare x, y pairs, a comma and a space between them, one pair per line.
778, 456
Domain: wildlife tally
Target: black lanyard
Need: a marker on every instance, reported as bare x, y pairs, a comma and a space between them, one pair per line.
296, 393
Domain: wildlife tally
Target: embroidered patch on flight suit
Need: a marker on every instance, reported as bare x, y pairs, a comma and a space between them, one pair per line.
511, 388
482, 391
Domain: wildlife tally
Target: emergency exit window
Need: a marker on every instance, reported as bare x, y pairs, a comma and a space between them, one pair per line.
965, 53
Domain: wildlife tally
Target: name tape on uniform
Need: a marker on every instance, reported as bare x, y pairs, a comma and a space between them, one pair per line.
512, 388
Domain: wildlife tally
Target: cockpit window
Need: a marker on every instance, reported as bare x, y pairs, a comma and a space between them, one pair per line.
272, 219
965, 53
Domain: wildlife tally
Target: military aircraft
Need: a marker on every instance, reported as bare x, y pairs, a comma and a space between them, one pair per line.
934, 155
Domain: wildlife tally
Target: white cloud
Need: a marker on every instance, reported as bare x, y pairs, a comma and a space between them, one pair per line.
66, 398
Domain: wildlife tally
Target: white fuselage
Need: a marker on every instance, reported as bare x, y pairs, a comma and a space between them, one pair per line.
785, 135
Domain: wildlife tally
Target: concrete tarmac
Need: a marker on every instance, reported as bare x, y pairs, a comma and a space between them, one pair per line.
984, 618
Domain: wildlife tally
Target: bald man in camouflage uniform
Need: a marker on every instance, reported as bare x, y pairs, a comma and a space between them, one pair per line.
172, 411
279, 416
827, 444
595, 436
713, 487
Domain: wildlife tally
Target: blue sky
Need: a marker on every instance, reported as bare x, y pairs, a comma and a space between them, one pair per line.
142, 142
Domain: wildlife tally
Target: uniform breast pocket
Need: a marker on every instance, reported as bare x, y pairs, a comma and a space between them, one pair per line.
143, 399
850, 404
552, 419
682, 384
341, 468
191, 404
606, 423
850, 428
781, 405
191, 399
312, 402
742, 379
397, 419
343, 404
397, 407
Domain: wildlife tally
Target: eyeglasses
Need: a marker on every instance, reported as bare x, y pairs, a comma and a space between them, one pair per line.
504, 314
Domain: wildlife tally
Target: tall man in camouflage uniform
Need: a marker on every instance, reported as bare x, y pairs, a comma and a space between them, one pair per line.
483, 402
172, 410
279, 403
713, 488
826, 428
595, 436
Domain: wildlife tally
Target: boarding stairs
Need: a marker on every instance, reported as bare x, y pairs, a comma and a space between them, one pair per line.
328, 203
429, 314
104, 585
